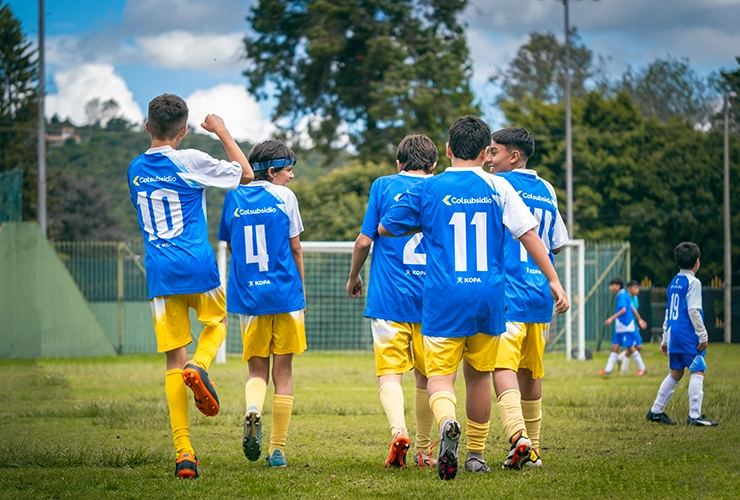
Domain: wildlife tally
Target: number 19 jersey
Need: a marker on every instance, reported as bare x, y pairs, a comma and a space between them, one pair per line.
683, 294
462, 213
258, 220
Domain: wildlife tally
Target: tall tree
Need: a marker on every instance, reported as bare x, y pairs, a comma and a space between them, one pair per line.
730, 82
18, 106
382, 67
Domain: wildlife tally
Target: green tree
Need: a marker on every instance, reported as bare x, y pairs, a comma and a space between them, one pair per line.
730, 82
18, 106
383, 67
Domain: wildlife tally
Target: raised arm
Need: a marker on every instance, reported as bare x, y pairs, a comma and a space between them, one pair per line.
215, 124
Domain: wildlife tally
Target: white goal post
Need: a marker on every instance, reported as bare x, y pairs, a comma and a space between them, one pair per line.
577, 301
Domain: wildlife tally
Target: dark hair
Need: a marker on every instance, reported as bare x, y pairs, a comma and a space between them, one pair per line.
515, 138
265, 151
687, 253
469, 136
168, 114
616, 280
632, 283
417, 152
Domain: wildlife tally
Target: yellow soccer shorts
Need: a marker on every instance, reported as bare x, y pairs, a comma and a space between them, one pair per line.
442, 355
283, 333
398, 347
522, 347
171, 319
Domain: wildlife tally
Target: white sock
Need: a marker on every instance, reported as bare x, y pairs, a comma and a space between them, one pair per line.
667, 388
621, 356
611, 362
696, 394
625, 363
638, 360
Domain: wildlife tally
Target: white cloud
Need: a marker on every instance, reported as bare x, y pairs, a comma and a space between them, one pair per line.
181, 49
79, 85
236, 106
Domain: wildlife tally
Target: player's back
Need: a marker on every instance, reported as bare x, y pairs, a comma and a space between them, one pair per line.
166, 187
683, 293
528, 297
259, 220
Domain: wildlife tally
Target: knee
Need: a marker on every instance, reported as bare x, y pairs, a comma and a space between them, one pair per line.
225, 321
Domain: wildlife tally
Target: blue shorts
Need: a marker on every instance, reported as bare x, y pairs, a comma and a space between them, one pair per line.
624, 339
694, 362
638, 337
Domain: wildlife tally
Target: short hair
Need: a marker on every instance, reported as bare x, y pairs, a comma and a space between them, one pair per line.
515, 138
687, 253
632, 283
417, 152
266, 151
469, 135
617, 280
167, 115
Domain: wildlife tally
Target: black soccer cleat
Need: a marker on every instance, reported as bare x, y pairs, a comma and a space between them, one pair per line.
702, 421
660, 417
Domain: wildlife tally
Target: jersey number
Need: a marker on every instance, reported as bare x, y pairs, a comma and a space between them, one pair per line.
409, 251
166, 226
544, 219
458, 222
673, 313
261, 256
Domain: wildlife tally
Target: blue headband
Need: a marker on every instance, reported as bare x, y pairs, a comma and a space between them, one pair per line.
279, 163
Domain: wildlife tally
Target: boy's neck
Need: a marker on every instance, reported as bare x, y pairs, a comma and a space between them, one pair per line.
457, 162
173, 143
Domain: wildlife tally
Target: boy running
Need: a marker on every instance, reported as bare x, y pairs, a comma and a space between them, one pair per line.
394, 301
685, 339
633, 288
261, 224
167, 189
462, 214
517, 379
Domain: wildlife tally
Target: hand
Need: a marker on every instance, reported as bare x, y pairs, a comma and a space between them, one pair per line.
354, 287
643, 324
561, 299
702, 346
213, 123
609, 321
664, 349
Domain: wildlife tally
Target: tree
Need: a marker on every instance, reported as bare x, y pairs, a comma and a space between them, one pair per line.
382, 67
100, 113
730, 82
18, 107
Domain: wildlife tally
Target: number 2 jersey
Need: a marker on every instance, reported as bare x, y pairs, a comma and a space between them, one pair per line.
398, 264
462, 213
528, 297
683, 294
167, 187
258, 220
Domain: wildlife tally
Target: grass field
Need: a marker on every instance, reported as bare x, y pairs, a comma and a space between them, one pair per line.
99, 428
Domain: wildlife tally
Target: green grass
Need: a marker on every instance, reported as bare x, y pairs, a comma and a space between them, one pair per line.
99, 428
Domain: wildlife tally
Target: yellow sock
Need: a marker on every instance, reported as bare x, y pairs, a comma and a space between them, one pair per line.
177, 401
443, 405
282, 406
254, 392
532, 413
509, 406
210, 340
391, 396
424, 420
477, 434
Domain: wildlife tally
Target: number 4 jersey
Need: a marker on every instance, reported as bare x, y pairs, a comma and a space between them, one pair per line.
167, 189
258, 220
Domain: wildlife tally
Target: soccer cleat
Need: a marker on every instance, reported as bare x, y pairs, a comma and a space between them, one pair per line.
520, 449
640, 373
701, 421
398, 448
186, 466
660, 417
424, 460
252, 438
475, 464
603, 372
204, 392
533, 460
277, 459
447, 461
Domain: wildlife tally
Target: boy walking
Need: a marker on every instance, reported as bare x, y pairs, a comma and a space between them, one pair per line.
394, 301
633, 288
261, 224
624, 329
517, 379
167, 189
685, 339
462, 214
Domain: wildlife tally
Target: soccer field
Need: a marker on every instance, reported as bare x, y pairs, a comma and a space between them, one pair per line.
98, 428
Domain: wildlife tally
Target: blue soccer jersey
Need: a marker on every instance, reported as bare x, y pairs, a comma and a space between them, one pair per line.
626, 322
258, 220
462, 213
167, 189
683, 294
398, 264
528, 297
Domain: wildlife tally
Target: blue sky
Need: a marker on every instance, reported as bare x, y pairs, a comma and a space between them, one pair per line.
133, 50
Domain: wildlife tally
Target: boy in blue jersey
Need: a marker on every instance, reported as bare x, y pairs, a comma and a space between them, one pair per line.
685, 339
394, 301
167, 189
261, 224
633, 288
624, 328
462, 214
517, 379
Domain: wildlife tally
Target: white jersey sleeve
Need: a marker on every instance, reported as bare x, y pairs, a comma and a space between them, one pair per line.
559, 236
516, 216
291, 205
693, 295
199, 168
